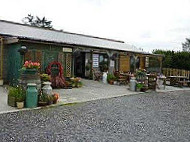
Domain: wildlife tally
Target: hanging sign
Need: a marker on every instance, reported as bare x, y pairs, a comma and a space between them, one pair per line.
95, 60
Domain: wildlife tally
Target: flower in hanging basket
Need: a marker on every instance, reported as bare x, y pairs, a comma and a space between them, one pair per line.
31, 65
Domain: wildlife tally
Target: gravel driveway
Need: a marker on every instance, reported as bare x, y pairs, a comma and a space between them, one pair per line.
144, 117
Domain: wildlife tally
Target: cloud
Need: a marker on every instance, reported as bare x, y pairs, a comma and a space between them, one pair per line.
149, 23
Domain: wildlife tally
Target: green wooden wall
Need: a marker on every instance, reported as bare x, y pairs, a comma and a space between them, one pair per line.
14, 63
43, 53
49, 53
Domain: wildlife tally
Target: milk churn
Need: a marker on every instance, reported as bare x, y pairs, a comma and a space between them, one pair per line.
31, 95
133, 84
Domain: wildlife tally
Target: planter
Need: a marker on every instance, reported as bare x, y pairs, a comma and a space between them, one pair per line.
50, 102
144, 89
111, 82
55, 102
1, 82
20, 105
42, 103
30, 76
30, 71
11, 101
138, 89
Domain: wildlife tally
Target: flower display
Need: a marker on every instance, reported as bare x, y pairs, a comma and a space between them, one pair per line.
55, 97
31, 65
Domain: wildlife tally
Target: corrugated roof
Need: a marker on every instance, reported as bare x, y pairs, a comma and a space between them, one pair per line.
36, 33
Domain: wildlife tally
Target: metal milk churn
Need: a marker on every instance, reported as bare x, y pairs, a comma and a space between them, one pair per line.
31, 95
133, 84
104, 78
47, 89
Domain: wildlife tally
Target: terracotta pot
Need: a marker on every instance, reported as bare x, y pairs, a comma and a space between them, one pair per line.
20, 105
111, 82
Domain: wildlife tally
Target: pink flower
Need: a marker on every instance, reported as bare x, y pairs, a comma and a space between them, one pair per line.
30, 64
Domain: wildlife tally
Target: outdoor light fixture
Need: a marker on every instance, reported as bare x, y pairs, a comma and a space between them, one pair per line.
22, 50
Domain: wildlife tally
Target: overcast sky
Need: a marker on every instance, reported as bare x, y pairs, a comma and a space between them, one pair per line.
147, 24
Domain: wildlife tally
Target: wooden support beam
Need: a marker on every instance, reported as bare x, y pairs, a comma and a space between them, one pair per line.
10, 40
2, 44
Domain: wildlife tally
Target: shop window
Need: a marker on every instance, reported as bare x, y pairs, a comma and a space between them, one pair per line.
103, 62
137, 63
134, 63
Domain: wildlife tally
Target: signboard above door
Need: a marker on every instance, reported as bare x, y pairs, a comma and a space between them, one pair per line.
67, 49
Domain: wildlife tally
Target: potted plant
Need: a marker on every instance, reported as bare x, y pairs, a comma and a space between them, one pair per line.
12, 96
141, 74
50, 99
76, 82
45, 77
20, 98
16, 94
144, 88
139, 86
43, 99
55, 98
30, 67
111, 78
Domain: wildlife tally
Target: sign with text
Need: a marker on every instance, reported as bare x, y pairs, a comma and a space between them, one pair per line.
67, 49
95, 60
112, 63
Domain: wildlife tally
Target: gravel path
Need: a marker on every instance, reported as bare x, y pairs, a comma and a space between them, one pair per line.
145, 117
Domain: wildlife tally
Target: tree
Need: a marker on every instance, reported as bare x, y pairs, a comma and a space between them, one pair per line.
38, 22
178, 60
186, 45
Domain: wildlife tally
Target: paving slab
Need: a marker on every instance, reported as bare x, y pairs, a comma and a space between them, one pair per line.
3, 101
91, 90
94, 90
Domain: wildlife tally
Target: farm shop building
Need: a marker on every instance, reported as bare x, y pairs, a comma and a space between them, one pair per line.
76, 52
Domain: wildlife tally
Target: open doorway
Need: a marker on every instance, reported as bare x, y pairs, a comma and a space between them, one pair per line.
79, 64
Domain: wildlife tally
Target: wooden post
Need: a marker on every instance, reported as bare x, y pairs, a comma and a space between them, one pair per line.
1, 58
91, 58
73, 62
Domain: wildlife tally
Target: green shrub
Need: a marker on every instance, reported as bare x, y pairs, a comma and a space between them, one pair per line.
139, 85
18, 93
110, 77
45, 77
43, 98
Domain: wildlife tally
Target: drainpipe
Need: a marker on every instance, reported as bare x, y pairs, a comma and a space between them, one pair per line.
1, 58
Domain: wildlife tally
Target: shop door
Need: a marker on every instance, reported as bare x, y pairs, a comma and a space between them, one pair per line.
80, 64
